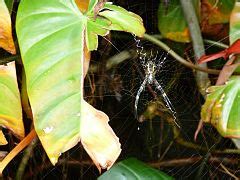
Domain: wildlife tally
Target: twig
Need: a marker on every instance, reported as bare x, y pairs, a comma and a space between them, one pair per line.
228, 172
157, 164
202, 165
166, 163
192, 160
208, 41
178, 57
124, 55
23, 164
197, 41
214, 43
191, 145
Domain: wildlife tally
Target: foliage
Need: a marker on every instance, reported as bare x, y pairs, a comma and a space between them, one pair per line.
171, 22
221, 108
64, 36
54, 41
6, 40
132, 168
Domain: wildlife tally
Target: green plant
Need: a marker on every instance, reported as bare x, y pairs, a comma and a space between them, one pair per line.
55, 39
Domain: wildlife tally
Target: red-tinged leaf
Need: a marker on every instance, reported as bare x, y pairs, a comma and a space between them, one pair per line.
207, 58
233, 49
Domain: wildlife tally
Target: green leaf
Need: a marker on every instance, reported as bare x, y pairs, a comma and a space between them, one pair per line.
51, 36
9, 4
110, 17
100, 26
234, 26
171, 22
10, 104
123, 20
132, 169
92, 4
221, 108
235, 23
234, 35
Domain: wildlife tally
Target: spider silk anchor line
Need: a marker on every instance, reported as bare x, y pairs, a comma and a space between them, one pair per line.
151, 67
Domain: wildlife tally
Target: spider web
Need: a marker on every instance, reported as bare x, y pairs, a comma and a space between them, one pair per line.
112, 87
152, 138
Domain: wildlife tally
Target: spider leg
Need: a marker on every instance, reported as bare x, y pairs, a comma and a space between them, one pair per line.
164, 58
167, 101
138, 95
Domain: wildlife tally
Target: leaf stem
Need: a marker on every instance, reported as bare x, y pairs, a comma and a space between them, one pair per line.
178, 57
26, 141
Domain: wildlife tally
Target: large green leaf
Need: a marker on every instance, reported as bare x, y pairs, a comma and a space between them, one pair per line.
10, 104
51, 35
132, 169
221, 108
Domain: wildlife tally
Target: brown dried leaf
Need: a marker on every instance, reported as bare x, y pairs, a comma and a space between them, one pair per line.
97, 137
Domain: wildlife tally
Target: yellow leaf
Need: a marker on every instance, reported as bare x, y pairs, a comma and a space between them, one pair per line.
10, 104
183, 36
6, 40
97, 137
3, 140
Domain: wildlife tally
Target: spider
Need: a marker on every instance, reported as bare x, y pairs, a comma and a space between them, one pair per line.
151, 68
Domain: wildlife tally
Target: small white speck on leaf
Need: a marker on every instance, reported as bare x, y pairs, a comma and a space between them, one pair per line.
48, 129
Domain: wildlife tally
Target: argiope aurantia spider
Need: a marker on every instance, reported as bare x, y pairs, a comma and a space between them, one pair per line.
151, 67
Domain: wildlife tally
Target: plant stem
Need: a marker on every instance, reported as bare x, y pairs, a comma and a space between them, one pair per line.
26, 141
193, 160
215, 43
27, 154
124, 55
178, 57
207, 41
197, 41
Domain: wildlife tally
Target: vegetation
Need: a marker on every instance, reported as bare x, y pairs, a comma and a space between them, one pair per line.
61, 59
